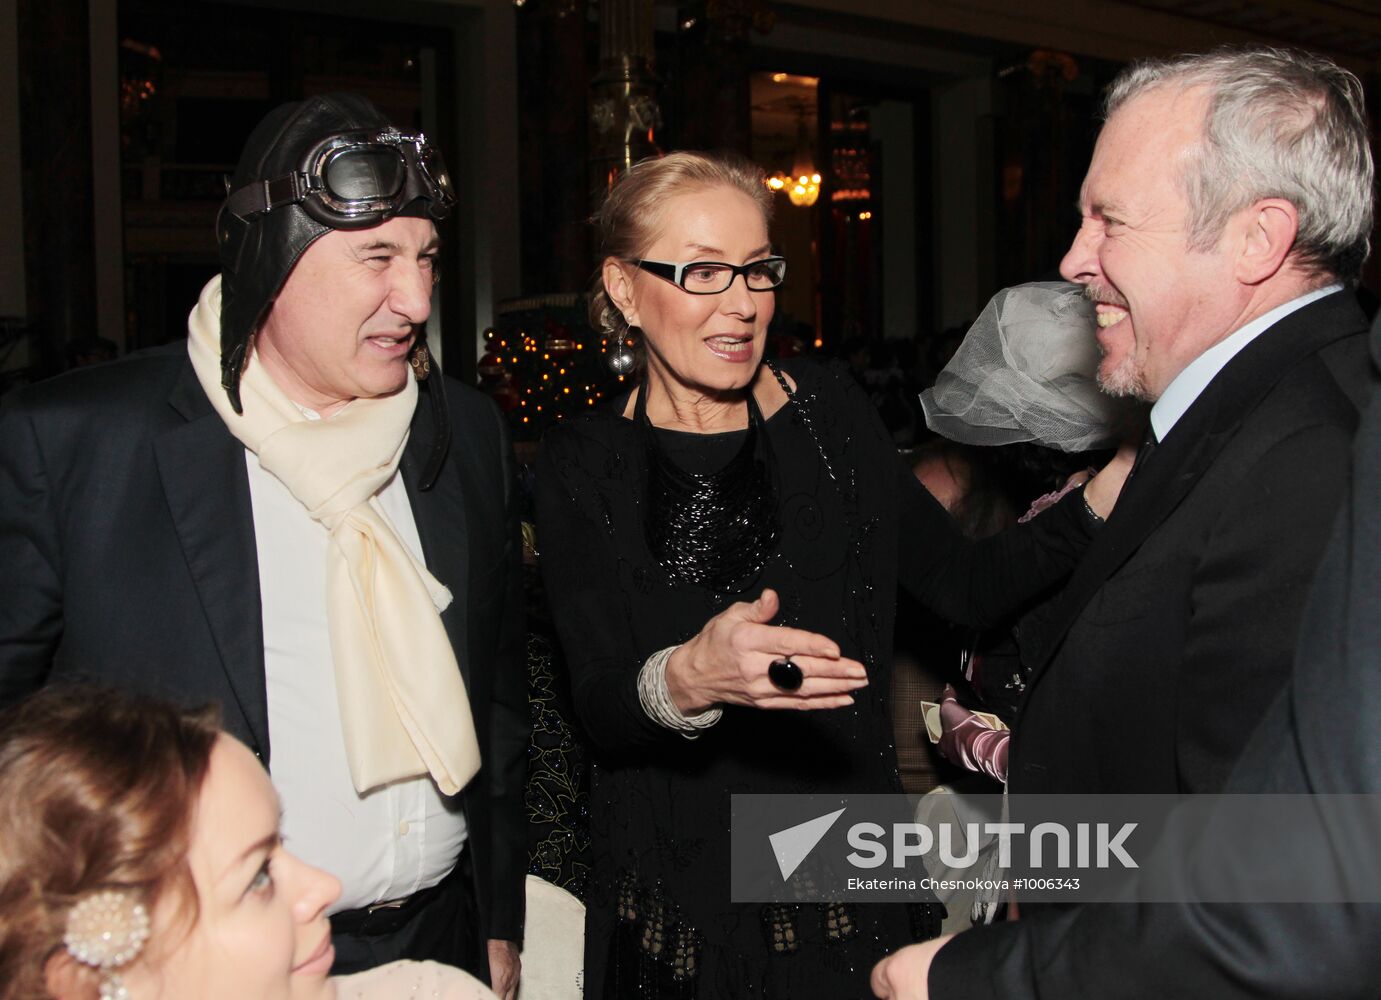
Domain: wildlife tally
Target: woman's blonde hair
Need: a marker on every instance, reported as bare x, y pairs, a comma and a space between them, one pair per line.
629, 220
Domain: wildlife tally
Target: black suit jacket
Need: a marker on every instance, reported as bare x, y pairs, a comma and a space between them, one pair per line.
127, 558
1320, 736
1153, 666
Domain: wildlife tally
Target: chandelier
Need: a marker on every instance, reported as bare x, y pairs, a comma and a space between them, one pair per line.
802, 185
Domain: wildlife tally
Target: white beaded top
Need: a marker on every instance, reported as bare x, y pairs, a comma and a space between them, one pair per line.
405, 980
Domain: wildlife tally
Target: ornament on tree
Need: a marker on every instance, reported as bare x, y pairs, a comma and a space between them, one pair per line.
559, 341
490, 368
506, 395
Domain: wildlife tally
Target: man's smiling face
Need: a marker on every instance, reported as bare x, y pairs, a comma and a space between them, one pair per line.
1160, 303
344, 322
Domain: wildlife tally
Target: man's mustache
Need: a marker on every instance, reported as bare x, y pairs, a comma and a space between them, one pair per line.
1105, 296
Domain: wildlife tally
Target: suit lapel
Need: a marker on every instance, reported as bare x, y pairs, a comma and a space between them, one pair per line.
436, 491
1146, 501
202, 468
1188, 451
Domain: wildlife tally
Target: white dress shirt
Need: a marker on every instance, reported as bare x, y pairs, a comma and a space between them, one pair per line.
1189, 384
396, 839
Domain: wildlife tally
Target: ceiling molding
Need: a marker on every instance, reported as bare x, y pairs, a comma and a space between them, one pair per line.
1121, 31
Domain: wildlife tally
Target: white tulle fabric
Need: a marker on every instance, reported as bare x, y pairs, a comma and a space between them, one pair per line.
412, 981
1026, 372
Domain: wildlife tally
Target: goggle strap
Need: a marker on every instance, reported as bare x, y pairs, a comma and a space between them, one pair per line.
256, 199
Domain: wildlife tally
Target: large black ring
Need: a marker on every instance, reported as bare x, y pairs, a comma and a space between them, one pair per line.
785, 674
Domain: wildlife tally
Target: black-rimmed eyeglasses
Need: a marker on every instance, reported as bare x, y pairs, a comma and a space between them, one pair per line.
710, 277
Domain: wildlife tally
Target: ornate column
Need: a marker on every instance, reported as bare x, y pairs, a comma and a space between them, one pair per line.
714, 99
624, 114
55, 123
552, 89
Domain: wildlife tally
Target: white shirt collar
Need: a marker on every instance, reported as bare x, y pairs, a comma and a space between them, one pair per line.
1189, 384
312, 414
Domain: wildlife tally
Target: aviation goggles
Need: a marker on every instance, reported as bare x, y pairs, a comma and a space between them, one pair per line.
353, 180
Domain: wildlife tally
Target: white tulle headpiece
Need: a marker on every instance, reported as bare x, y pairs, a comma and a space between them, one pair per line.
1026, 372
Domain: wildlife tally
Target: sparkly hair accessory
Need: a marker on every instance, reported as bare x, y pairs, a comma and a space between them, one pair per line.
106, 931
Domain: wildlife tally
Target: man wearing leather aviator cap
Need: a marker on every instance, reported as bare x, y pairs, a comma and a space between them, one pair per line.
296, 515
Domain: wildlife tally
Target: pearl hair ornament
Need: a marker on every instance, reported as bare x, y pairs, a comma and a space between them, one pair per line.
107, 930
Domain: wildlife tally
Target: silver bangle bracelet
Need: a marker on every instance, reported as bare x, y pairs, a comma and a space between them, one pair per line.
657, 703
1088, 507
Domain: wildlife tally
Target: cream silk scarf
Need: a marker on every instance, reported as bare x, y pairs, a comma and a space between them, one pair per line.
403, 706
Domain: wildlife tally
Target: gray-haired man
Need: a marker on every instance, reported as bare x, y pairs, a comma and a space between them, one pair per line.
292, 514
1226, 210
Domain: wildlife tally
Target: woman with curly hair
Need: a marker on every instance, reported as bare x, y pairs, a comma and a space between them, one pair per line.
141, 859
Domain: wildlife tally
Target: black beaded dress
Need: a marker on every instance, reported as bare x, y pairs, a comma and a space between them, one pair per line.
852, 520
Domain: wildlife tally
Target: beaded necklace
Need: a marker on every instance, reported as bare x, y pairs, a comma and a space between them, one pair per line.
714, 529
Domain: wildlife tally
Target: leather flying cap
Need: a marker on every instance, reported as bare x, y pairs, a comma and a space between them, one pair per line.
258, 249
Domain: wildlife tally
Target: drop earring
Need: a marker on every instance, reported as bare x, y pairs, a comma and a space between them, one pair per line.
620, 359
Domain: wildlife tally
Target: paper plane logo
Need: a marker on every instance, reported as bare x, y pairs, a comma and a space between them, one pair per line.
790, 846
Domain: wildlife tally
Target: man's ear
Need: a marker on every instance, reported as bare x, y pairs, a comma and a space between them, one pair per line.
67, 979
618, 285
1267, 235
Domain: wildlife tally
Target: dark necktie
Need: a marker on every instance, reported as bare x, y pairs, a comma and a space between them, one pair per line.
1148, 445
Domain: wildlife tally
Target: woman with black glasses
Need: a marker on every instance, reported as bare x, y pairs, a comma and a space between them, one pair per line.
722, 544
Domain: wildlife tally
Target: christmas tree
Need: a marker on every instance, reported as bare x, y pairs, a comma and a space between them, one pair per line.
543, 363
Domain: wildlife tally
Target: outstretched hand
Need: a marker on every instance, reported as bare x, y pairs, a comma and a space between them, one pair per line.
727, 663
903, 974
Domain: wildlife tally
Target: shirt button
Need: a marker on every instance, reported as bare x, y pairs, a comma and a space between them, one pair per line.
403, 828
